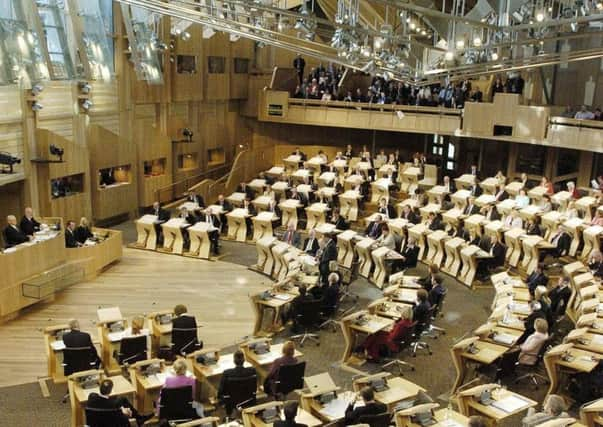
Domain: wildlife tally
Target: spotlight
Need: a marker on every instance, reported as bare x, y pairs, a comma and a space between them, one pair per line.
9, 160
57, 151
234, 37
36, 106
449, 56
599, 5
85, 87
540, 17
365, 51
494, 56
87, 104
185, 36
460, 44
413, 25
37, 89
188, 134
208, 33
477, 42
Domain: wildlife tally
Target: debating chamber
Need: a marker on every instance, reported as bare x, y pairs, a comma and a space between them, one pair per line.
301, 213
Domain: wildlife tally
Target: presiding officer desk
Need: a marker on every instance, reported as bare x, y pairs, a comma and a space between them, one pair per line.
97, 254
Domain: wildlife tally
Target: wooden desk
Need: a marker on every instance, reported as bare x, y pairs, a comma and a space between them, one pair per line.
53, 345
173, 239
469, 256
495, 228
280, 189
301, 176
78, 396
513, 242
574, 227
252, 417
436, 193
452, 216
584, 205
550, 221
592, 241
316, 215
292, 163
464, 181
262, 203
160, 325
436, 242
474, 223
453, 261
289, 209
386, 308
260, 302
257, 185
275, 171
327, 179
265, 261
237, 224
410, 179
345, 248
419, 233
485, 353
145, 229
531, 252
398, 389
199, 237
278, 255
443, 418
237, 199
536, 193
379, 256
592, 413
263, 362
365, 261
262, 225
380, 189
351, 328
570, 358
489, 185
470, 404
348, 204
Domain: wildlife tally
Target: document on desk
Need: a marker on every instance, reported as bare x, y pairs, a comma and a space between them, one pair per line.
60, 345
597, 339
450, 423
507, 339
283, 297
510, 404
335, 409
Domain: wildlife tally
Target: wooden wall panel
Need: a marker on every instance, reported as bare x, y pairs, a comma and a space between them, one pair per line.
239, 82
151, 145
217, 86
185, 86
12, 202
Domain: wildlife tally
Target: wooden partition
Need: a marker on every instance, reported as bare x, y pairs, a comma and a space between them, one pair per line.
284, 79
188, 67
275, 106
109, 151
94, 259
217, 65
241, 53
11, 129
573, 133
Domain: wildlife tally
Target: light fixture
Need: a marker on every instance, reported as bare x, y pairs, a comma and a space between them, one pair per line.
208, 32
234, 37
57, 151
540, 17
87, 104
494, 56
37, 89
36, 106
9, 160
460, 44
84, 87
477, 42
413, 25
449, 56
185, 36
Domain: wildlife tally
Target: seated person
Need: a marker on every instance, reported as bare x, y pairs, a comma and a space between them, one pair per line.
437, 292
104, 401
303, 297
328, 293
339, 221
374, 228
527, 352
410, 255
28, 224
490, 212
501, 194
498, 251
181, 379
239, 371
552, 408
12, 234
536, 312
562, 241
296, 195
386, 239
559, 296
70, 240
460, 231
476, 421
536, 278
78, 339
522, 200
311, 243
370, 407
471, 208
595, 263
422, 308
83, 231
426, 282
386, 209
225, 204
247, 190
186, 323
195, 198
291, 235
288, 358
135, 330
384, 342
533, 227
409, 215
545, 204
290, 412
513, 220
434, 222
214, 234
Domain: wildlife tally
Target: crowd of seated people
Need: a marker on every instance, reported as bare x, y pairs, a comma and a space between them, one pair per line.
582, 113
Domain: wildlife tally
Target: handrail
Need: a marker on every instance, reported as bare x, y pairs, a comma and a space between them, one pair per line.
374, 106
580, 123
173, 191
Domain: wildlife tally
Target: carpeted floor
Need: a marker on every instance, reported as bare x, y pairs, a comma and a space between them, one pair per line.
24, 405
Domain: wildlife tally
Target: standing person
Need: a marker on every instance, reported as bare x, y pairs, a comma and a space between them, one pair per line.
299, 64
326, 254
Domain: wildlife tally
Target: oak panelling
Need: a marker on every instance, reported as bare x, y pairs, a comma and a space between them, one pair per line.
583, 138
11, 141
97, 257
217, 86
151, 145
239, 83
185, 86
109, 150
257, 82
104, 97
11, 202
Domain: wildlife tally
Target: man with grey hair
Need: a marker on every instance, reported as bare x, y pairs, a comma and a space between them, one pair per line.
28, 224
76, 339
12, 234
552, 408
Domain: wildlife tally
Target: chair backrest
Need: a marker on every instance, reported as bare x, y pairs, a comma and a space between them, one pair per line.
78, 359
289, 378
97, 417
176, 404
376, 420
132, 349
239, 391
308, 312
184, 340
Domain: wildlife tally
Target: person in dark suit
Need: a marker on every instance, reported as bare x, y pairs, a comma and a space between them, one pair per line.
244, 188
434, 221
195, 198
535, 313
70, 240
83, 231
498, 251
339, 221
214, 235
299, 153
410, 255
103, 401
536, 278
533, 227
460, 231
295, 195
239, 371
475, 189
290, 411
559, 296
409, 215
329, 294
78, 339
595, 263
162, 215
311, 245
501, 194
422, 308
448, 184
184, 322
562, 241
374, 228
426, 282
291, 236
437, 292
490, 212
12, 234
370, 407
225, 204
326, 254
349, 153
471, 208
386, 209
28, 224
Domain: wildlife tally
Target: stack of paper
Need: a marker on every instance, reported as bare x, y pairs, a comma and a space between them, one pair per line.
510, 404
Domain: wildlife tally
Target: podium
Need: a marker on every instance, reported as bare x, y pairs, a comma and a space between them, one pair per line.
452, 216
305, 189
464, 181
280, 189
345, 249
469, 269
262, 225
316, 215
513, 243
340, 164
145, 229
535, 194
436, 241
398, 227
237, 200
257, 185
379, 257
199, 237
262, 203
352, 181
459, 198
300, 176
327, 193
292, 163
275, 171
529, 212
474, 223
410, 179
513, 188
453, 248
428, 209
386, 170
436, 193
327, 179
280, 268
585, 205
365, 261
173, 239
489, 185
54, 346
289, 211
495, 228
592, 240
506, 206
348, 205
418, 232
574, 228
550, 222
485, 199
325, 228
531, 252
315, 164
562, 198
380, 189
265, 258
237, 224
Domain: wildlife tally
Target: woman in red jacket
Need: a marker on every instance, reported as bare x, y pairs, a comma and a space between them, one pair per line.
383, 340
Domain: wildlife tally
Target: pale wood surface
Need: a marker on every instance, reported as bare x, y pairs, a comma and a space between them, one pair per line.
215, 292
